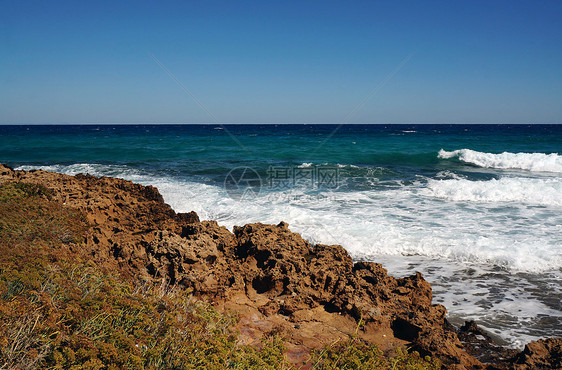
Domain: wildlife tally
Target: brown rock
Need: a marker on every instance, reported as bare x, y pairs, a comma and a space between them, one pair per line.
271, 276
541, 354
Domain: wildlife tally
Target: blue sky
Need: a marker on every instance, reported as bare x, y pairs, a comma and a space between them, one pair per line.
281, 61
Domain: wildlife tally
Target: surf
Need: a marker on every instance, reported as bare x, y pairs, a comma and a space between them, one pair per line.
534, 162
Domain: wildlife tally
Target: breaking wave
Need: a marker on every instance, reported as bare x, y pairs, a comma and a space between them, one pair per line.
535, 162
531, 191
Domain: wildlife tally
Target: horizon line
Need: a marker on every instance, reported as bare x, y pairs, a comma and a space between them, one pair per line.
259, 123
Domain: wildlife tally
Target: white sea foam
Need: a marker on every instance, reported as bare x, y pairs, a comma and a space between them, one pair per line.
508, 305
339, 165
448, 175
95, 169
346, 165
533, 191
402, 221
536, 162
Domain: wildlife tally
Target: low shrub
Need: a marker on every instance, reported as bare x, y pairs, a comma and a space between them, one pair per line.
58, 311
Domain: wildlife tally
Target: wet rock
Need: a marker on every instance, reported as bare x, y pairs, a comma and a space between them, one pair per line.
541, 354
479, 344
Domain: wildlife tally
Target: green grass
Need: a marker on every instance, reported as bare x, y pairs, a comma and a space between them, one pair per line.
61, 312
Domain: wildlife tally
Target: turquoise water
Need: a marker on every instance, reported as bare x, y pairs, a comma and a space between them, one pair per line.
476, 208
207, 150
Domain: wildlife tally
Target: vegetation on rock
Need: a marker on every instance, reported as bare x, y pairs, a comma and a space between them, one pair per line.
60, 310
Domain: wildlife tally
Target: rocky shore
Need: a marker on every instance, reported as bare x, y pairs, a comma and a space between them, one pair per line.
275, 280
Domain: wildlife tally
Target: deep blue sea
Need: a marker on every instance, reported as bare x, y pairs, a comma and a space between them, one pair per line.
476, 208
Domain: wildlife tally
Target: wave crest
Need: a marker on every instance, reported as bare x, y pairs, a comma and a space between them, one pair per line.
535, 162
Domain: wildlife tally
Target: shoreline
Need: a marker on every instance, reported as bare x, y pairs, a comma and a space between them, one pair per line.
272, 277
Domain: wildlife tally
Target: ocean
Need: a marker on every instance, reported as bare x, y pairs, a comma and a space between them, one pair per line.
476, 208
